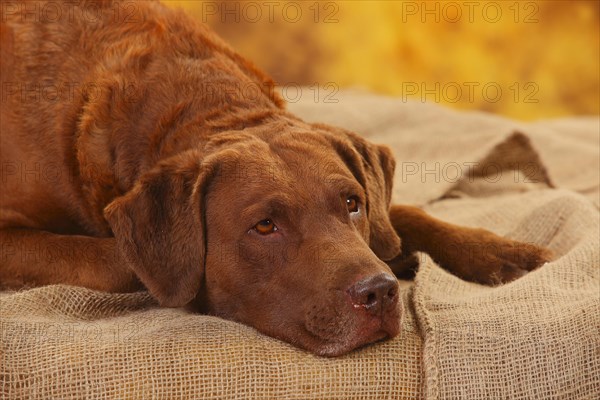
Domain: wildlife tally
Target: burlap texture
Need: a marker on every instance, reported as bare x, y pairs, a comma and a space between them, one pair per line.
534, 338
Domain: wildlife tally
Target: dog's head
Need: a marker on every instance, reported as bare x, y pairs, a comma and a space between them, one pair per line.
285, 232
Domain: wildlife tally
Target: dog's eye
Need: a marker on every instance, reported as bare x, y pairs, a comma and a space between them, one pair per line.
352, 203
265, 227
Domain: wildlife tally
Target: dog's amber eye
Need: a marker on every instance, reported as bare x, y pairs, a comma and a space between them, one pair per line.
265, 227
352, 203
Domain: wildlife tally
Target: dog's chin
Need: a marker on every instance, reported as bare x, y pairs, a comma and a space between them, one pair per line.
355, 339
336, 349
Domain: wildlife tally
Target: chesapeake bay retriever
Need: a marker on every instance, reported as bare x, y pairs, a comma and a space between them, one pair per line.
144, 152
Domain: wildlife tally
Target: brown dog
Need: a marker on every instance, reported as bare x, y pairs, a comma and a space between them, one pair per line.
147, 153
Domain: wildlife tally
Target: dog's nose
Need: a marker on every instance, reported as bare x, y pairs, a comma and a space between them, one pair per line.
375, 293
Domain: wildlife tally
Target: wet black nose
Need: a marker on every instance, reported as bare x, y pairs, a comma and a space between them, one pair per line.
375, 294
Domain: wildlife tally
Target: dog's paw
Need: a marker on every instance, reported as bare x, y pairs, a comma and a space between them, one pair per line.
492, 260
513, 260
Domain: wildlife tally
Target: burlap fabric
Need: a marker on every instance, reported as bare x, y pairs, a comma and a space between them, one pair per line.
536, 338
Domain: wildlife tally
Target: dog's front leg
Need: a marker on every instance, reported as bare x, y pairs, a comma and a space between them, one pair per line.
31, 257
472, 254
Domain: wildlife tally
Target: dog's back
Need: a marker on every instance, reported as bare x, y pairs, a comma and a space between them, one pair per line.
79, 80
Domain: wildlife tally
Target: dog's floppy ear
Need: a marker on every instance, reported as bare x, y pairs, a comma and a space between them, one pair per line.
159, 228
375, 168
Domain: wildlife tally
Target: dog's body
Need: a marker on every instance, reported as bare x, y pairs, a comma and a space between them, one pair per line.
147, 153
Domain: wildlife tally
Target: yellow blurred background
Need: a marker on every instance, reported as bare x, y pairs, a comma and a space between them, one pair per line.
522, 59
